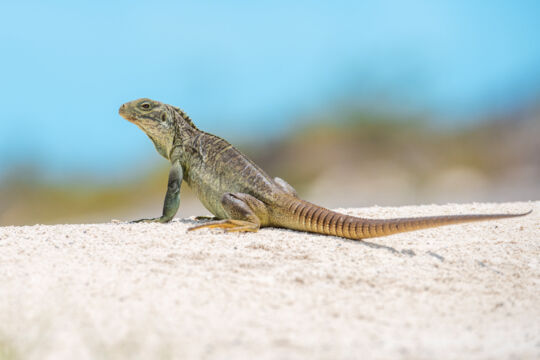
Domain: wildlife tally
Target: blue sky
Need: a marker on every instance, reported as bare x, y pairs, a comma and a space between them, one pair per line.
244, 69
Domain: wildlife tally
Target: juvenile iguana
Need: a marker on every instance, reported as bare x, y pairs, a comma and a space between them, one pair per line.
239, 193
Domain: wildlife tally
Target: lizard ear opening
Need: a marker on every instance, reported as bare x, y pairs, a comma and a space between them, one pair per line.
163, 116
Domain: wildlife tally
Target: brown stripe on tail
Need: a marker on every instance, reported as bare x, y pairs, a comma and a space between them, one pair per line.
304, 216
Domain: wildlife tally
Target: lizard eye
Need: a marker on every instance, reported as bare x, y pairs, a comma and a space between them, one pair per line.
145, 106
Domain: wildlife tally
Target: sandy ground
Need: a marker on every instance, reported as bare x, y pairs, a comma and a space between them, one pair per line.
142, 291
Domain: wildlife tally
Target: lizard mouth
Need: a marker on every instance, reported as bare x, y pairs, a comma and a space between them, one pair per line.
123, 113
130, 119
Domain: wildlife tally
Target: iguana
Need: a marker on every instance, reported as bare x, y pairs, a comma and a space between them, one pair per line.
240, 195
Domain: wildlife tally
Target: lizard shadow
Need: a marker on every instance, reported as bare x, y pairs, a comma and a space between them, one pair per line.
187, 221
373, 245
369, 244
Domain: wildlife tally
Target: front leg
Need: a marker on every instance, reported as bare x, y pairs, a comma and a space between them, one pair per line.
172, 198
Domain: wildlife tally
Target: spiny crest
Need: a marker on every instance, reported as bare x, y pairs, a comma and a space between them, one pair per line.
185, 116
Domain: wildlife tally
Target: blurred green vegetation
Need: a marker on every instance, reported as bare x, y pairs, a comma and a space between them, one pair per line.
7, 351
355, 158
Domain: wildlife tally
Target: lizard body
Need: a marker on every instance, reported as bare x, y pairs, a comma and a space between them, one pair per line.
241, 195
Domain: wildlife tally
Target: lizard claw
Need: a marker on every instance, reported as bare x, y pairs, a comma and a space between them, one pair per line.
203, 218
160, 219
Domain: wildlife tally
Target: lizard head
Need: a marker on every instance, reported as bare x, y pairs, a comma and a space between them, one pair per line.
155, 119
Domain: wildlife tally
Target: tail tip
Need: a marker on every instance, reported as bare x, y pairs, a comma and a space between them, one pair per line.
525, 213
520, 214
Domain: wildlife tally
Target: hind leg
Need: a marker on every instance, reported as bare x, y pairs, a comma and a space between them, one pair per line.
245, 213
285, 186
229, 225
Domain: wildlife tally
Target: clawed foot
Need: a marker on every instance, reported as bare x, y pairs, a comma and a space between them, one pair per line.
160, 219
229, 225
206, 218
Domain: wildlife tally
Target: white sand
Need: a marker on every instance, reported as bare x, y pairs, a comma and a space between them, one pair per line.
142, 291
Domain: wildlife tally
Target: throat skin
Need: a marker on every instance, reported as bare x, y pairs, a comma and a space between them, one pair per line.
240, 195
163, 151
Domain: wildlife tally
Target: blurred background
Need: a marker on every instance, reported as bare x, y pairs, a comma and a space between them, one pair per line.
353, 103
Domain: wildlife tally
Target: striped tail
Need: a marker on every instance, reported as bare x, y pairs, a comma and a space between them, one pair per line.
304, 216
